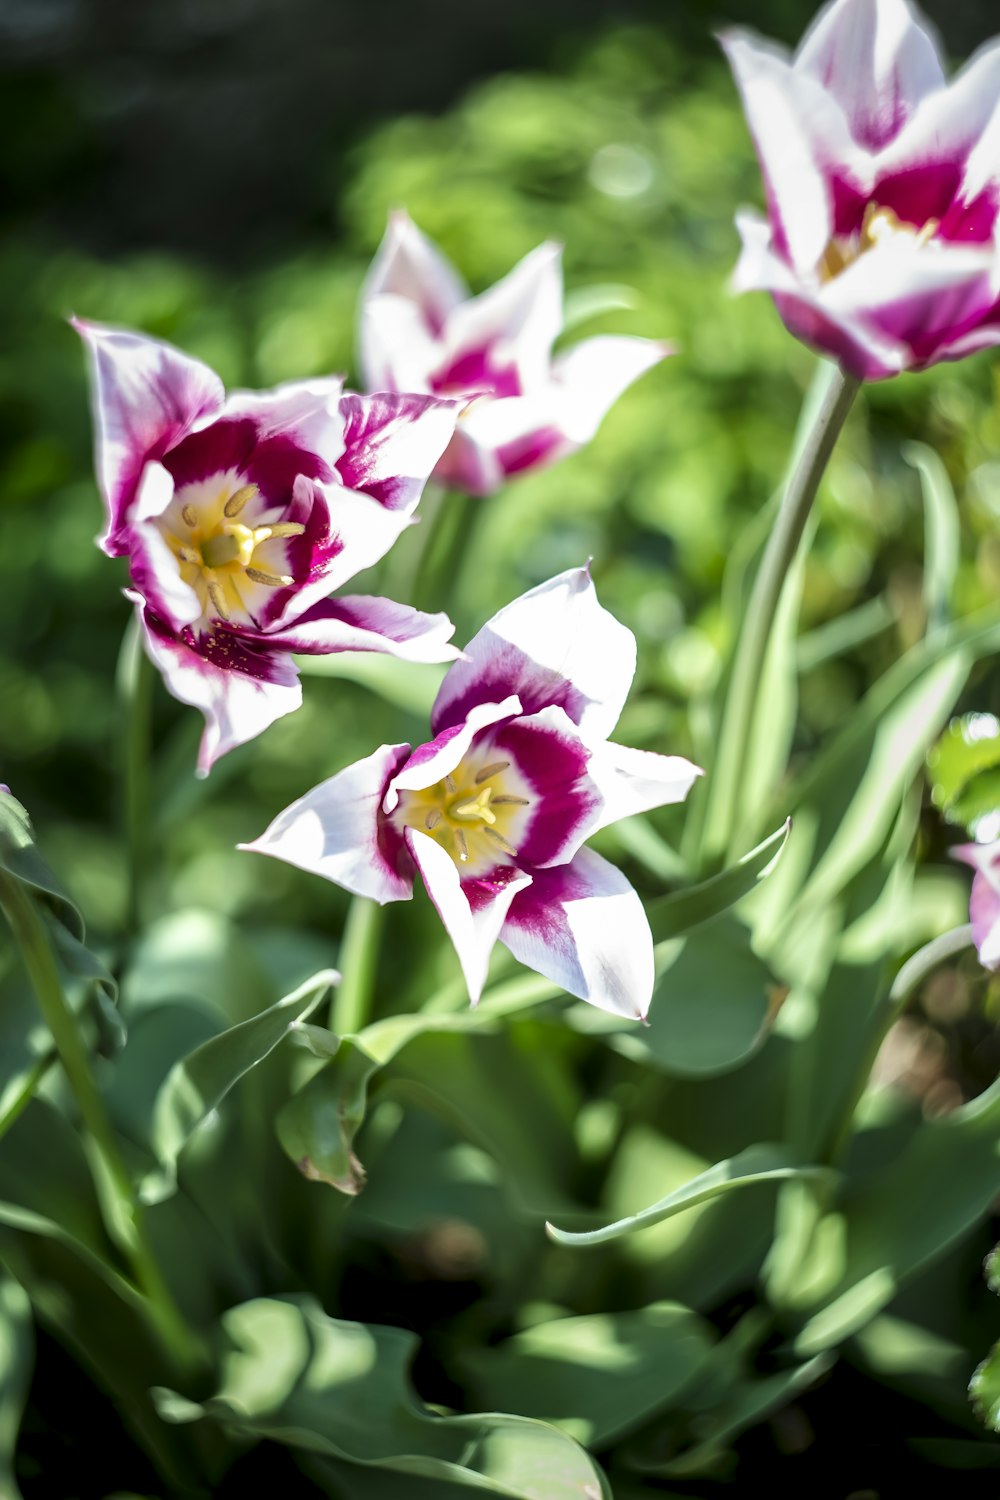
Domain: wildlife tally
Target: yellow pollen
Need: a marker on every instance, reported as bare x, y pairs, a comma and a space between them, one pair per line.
281, 528
238, 499
879, 226
493, 769
478, 809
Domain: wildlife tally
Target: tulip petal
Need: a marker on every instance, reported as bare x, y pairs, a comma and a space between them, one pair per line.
555, 645
438, 758
361, 622
876, 60
473, 912
510, 327
335, 831
240, 690
635, 781
409, 265
146, 395
583, 926
596, 372
154, 568
984, 902
553, 767
392, 443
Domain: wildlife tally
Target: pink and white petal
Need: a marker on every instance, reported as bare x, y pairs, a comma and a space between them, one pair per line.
552, 766
876, 60
336, 831
392, 443
555, 645
947, 127
239, 690
635, 781
984, 901
307, 412
583, 926
467, 465
360, 622
805, 312
516, 433
409, 265
514, 324
396, 349
431, 762
145, 396
806, 152
596, 372
156, 577
473, 913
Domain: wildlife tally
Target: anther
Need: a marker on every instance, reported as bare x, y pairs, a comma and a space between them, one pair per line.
189, 555
506, 800
491, 770
449, 782
272, 580
433, 818
463, 848
217, 597
281, 528
238, 499
499, 840
189, 515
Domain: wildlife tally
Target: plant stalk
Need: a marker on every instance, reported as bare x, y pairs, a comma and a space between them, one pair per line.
135, 690
351, 1006
723, 789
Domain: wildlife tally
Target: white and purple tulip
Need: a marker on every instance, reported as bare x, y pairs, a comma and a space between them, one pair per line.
984, 902
421, 331
241, 515
494, 811
881, 244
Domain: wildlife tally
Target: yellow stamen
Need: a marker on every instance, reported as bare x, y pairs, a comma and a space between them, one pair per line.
449, 782
493, 769
478, 808
499, 840
217, 597
238, 499
509, 801
463, 848
282, 528
190, 555
433, 819
271, 580
189, 515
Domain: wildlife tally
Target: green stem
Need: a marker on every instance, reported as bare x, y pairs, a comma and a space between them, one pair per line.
350, 1008
112, 1180
135, 690
906, 983
738, 714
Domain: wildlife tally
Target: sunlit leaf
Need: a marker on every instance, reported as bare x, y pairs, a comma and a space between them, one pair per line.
17, 1348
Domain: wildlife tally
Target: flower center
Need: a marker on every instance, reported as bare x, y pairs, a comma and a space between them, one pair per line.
878, 227
473, 813
217, 552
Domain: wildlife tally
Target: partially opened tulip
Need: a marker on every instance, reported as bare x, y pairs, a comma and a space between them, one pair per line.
241, 515
984, 902
421, 331
494, 810
880, 246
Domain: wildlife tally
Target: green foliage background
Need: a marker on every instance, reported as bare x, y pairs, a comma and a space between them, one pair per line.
634, 154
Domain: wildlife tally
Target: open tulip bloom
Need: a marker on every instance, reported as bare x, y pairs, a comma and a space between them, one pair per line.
421, 331
883, 189
241, 515
984, 902
494, 811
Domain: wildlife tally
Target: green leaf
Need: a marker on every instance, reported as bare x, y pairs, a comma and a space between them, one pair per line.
984, 1389
199, 1082
410, 686
964, 769
585, 302
17, 1349
599, 1376
679, 912
761, 1163
341, 1390
942, 532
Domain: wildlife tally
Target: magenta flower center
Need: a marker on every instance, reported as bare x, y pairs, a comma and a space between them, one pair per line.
476, 813
879, 226
219, 555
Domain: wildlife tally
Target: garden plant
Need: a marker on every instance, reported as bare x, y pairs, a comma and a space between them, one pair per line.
594, 1091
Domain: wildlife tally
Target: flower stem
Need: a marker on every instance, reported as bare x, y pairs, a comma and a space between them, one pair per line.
723, 789
909, 979
135, 691
112, 1181
350, 1008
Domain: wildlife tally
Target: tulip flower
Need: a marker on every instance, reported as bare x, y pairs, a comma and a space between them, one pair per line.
984, 902
421, 331
241, 515
883, 186
494, 810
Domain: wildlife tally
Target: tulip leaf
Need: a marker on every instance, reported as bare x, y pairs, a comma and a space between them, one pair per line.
984, 1389
410, 686
598, 1376
679, 912
964, 769
942, 532
341, 1390
16, 1359
198, 1083
760, 1163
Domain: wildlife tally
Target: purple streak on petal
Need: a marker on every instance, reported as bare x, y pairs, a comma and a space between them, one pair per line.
481, 890
431, 762
145, 396
984, 901
273, 463
5, 788
920, 192
849, 202
362, 623
532, 450
974, 222
392, 443
564, 801
477, 372
808, 323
